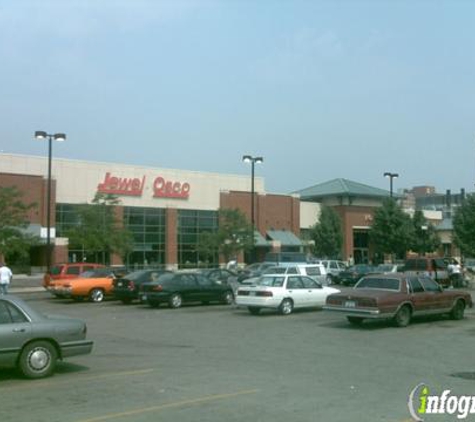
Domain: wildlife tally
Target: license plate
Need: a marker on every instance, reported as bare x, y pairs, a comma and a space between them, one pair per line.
350, 304
144, 298
252, 293
120, 284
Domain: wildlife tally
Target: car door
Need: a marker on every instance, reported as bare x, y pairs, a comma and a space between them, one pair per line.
436, 300
209, 289
315, 293
420, 298
187, 285
15, 329
296, 291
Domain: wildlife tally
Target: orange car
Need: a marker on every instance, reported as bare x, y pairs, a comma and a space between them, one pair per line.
94, 285
67, 271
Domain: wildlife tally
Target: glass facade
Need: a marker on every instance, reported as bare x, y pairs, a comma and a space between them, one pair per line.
147, 226
191, 223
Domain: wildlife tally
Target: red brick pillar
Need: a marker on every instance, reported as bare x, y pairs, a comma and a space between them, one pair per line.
171, 236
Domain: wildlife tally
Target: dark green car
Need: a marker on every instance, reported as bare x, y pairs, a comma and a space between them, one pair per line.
178, 288
34, 342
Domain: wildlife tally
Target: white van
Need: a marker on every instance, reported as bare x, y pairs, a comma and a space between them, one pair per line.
315, 271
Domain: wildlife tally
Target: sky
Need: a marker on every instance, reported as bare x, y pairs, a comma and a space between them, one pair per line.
320, 89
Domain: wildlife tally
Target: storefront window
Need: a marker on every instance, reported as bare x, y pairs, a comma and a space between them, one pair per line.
191, 223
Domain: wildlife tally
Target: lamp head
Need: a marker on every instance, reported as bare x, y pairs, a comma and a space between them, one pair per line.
246, 158
60, 137
40, 134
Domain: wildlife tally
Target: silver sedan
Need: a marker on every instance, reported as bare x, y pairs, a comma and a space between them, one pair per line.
33, 342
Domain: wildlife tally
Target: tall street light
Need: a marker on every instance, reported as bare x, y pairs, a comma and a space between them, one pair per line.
391, 177
41, 135
253, 161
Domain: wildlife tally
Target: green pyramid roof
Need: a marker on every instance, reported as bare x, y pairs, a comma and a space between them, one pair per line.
341, 187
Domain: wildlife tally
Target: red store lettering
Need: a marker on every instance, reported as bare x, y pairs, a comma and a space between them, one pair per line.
121, 185
168, 189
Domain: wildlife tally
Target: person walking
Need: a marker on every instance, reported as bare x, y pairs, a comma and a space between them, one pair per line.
5, 278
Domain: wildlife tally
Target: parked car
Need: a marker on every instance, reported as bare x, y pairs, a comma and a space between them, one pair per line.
436, 268
223, 276
351, 276
67, 271
389, 268
315, 271
283, 292
94, 285
253, 270
333, 268
126, 289
33, 342
399, 297
178, 288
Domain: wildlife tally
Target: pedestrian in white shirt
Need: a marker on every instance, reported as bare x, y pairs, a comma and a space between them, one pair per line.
5, 278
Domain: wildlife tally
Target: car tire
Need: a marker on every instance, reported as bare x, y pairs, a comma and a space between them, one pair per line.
458, 310
175, 301
228, 298
38, 359
355, 320
286, 307
403, 316
331, 280
96, 295
254, 310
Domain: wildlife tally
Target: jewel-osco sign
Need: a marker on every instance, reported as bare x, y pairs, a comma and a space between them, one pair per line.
134, 186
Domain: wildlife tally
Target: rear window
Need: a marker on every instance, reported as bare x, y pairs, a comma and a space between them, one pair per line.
313, 271
416, 265
379, 283
73, 270
271, 281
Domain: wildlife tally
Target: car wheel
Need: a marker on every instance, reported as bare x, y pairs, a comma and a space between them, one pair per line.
354, 320
458, 310
96, 295
38, 359
175, 300
228, 298
254, 310
286, 307
403, 317
330, 280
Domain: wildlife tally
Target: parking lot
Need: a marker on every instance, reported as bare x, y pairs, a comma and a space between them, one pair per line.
219, 363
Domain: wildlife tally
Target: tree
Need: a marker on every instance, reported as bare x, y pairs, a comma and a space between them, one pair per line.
392, 230
234, 235
14, 241
425, 237
97, 231
464, 227
327, 234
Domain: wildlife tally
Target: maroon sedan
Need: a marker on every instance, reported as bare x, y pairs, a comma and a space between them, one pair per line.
398, 297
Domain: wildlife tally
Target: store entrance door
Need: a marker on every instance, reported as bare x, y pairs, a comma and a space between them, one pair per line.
361, 246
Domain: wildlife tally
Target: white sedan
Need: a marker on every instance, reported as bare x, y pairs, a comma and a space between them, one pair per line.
283, 292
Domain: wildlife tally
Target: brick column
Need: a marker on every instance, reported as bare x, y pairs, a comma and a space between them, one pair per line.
171, 237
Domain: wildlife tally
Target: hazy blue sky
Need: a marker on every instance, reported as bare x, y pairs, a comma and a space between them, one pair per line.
320, 89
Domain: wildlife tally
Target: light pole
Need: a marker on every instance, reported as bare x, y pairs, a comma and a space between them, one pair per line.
391, 177
253, 161
41, 135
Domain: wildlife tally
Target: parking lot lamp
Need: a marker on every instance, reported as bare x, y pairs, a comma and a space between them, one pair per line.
41, 135
253, 161
391, 177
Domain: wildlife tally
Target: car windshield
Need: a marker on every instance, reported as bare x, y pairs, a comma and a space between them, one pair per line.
270, 281
275, 270
379, 283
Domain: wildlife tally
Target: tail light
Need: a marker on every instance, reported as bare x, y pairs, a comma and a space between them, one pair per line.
131, 285
158, 288
265, 293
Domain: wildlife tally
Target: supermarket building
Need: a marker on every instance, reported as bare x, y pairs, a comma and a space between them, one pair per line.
166, 209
